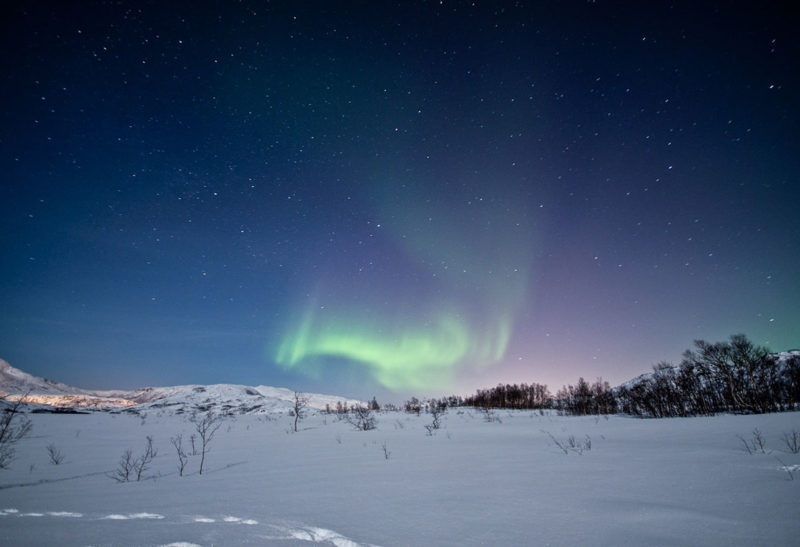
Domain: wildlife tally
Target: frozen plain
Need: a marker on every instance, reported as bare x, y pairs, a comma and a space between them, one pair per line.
683, 481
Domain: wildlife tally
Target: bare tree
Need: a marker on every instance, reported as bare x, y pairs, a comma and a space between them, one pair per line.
55, 455
125, 467
361, 418
300, 405
206, 427
11, 431
142, 463
177, 442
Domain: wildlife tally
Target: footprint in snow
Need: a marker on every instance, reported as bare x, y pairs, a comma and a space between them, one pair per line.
320, 535
304, 533
15, 512
240, 520
67, 514
132, 516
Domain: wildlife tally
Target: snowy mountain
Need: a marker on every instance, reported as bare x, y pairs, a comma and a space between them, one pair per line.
223, 398
15, 381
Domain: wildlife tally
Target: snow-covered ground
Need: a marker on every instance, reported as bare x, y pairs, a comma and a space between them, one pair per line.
644, 482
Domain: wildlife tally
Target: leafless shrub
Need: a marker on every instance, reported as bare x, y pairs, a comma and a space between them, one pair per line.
571, 444
183, 457
758, 441
490, 416
386, 452
55, 455
436, 411
12, 430
579, 446
792, 441
755, 444
206, 427
193, 438
361, 418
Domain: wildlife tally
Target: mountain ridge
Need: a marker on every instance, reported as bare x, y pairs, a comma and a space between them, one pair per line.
16, 383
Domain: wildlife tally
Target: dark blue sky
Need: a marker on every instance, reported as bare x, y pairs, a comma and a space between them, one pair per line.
375, 198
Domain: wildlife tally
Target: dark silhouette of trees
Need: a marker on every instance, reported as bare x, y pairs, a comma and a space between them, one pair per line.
732, 376
584, 398
413, 406
522, 396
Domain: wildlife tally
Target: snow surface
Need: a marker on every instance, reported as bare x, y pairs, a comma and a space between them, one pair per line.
681, 481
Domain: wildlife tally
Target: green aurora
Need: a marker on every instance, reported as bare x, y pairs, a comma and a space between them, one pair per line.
458, 316
413, 358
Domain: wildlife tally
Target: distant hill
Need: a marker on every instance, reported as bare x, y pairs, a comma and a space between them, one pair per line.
15, 383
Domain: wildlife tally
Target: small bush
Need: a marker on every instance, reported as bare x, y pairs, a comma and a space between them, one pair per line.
386, 452
571, 444
55, 455
755, 444
361, 418
792, 441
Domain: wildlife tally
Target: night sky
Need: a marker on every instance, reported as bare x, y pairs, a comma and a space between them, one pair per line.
378, 199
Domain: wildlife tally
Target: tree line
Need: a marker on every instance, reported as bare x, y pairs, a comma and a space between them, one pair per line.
733, 376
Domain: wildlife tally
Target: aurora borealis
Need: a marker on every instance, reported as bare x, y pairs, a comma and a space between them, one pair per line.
442, 302
423, 198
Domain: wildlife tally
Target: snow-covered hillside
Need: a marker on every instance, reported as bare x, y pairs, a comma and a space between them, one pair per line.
680, 481
220, 398
14, 381
230, 399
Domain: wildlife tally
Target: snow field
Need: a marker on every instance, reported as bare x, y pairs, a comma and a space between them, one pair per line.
643, 482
